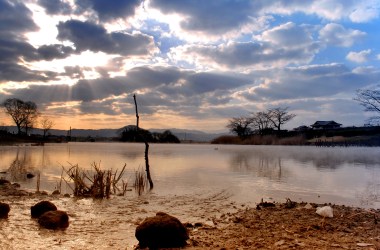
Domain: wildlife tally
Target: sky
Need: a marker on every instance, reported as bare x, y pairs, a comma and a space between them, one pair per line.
193, 64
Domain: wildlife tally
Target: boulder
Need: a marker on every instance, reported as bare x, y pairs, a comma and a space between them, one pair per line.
42, 207
161, 231
4, 210
54, 220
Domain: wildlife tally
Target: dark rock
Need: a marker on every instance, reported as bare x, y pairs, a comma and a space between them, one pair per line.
54, 220
4, 182
56, 192
4, 210
29, 175
161, 231
66, 195
42, 207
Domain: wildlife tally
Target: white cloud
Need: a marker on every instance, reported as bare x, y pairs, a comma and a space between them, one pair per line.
336, 35
365, 11
359, 57
287, 35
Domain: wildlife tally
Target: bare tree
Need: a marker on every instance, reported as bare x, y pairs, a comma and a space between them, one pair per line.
279, 116
240, 126
370, 100
23, 113
31, 115
261, 122
46, 125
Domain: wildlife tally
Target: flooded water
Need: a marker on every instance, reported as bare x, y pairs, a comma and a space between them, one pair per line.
192, 182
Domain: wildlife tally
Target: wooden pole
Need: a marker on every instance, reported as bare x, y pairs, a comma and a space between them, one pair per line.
147, 168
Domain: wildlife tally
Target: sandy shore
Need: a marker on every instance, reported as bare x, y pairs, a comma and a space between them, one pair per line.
214, 222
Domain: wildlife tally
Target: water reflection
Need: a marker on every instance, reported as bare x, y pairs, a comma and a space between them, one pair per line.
342, 175
259, 165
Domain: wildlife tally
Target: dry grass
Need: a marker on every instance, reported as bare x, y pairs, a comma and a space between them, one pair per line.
140, 182
261, 140
97, 183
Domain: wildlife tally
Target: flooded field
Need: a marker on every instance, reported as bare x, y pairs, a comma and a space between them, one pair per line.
193, 182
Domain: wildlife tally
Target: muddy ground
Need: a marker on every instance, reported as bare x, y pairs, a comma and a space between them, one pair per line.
213, 220
280, 227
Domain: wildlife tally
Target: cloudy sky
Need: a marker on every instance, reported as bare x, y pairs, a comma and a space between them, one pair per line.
192, 63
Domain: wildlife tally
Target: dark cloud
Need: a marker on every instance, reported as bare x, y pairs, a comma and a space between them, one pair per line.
89, 90
10, 71
212, 16
54, 51
154, 76
164, 88
103, 107
108, 10
240, 54
15, 21
55, 7
75, 72
15, 18
90, 36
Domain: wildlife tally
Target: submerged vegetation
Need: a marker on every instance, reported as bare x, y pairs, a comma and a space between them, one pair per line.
97, 183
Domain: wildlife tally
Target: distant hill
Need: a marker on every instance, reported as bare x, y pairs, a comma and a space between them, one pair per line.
190, 135
182, 134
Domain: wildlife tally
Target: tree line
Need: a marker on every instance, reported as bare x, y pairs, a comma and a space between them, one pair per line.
25, 115
262, 122
266, 122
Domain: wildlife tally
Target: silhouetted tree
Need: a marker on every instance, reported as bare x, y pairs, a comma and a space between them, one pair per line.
370, 100
23, 113
46, 125
130, 133
168, 137
261, 122
279, 116
240, 126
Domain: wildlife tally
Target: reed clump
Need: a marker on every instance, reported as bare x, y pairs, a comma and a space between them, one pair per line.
140, 182
96, 183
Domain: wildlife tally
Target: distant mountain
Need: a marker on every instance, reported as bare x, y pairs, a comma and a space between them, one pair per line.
190, 135
182, 134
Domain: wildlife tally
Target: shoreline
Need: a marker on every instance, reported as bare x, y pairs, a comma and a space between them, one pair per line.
213, 220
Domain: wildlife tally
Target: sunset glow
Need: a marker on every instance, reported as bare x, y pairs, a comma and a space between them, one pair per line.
192, 64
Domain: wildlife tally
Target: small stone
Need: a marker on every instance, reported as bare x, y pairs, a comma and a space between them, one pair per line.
364, 244
56, 192
308, 206
4, 210
279, 243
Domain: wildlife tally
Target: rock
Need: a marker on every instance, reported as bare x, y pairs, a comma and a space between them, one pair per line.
4, 182
42, 207
54, 220
30, 175
308, 206
4, 210
325, 211
161, 231
56, 192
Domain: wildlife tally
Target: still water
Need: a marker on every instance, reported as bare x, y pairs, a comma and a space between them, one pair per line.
195, 183
349, 176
